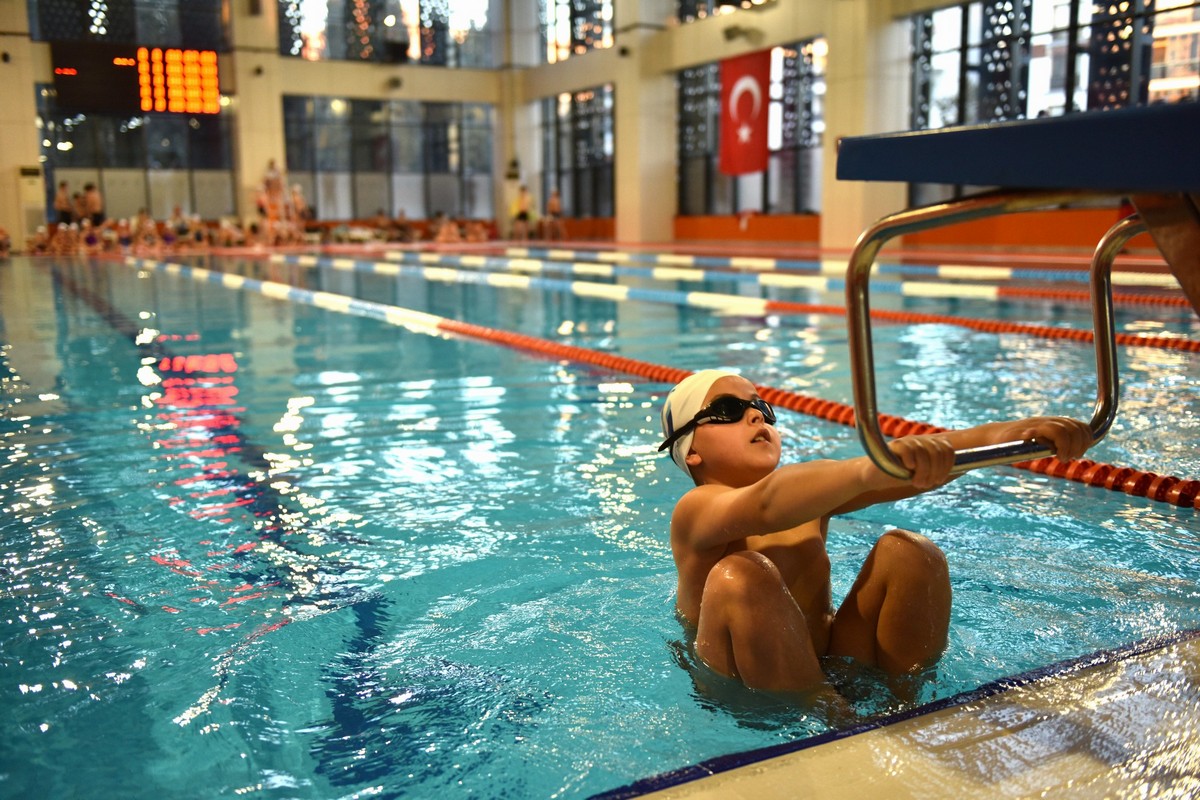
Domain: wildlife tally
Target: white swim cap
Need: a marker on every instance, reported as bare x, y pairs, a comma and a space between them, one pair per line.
682, 404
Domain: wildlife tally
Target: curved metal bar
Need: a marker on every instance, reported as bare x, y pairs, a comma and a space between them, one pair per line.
1107, 380
859, 320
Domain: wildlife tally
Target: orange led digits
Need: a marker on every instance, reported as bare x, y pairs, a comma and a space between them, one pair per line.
179, 81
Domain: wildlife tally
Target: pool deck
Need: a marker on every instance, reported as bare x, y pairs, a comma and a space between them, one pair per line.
1123, 727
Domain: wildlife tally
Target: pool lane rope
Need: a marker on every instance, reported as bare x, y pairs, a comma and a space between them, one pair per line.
430, 268
972, 273
745, 272
1162, 488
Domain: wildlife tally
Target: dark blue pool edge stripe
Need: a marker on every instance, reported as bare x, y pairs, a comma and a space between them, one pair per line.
719, 764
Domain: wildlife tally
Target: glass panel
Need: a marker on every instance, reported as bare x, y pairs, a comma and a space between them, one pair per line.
444, 194
604, 191
441, 138
477, 199
371, 195
332, 148
122, 141
1047, 75
692, 179
408, 196
943, 89
567, 189
1175, 64
332, 133
194, 23
168, 189
1082, 65
750, 192
407, 153
124, 192
213, 193
809, 166
371, 137
166, 142
781, 183
722, 191
299, 134
72, 141
585, 193
947, 29
209, 143
334, 190
477, 150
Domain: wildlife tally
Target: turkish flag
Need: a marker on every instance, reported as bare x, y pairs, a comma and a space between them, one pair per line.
744, 83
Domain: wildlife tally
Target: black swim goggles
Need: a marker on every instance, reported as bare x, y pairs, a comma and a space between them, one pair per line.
724, 410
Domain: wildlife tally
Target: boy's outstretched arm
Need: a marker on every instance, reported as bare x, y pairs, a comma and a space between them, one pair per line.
925, 455
714, 515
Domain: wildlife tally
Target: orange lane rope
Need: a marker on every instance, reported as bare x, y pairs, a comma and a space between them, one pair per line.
995, 326
1162, 488
1119, 298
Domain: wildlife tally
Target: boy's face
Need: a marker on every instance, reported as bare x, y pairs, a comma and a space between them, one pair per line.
737, 453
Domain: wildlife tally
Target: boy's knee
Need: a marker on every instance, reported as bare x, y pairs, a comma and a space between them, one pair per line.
913, 550
745, 574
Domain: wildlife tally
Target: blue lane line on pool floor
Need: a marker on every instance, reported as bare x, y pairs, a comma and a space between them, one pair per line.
365, 607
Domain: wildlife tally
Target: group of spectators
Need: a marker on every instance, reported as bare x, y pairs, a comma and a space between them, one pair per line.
141, 234
283, 218
77, 207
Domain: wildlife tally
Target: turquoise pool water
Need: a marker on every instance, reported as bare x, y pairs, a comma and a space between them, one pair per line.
257, 549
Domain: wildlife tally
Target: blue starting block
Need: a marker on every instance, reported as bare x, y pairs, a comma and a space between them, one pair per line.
1149, 155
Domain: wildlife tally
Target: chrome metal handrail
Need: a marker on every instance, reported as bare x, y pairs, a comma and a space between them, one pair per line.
859, 319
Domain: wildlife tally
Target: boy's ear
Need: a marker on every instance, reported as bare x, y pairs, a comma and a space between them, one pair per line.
693, 459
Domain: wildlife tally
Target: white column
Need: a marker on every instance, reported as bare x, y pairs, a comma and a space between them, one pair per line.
644, 125
22, 64
868, 92
254, 75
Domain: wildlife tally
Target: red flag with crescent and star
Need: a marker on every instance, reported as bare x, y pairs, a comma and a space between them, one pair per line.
744, 84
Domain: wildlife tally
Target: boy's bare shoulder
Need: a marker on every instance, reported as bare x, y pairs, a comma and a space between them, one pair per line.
693, 508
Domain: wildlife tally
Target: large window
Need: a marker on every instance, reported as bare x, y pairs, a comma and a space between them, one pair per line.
449, 33
573, 27
194, 24
996, 60
692, 10
577, 151
155, 161
791, 184
1013, 59
356, 158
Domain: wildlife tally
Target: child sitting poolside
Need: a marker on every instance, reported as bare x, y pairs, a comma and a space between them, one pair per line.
749, 540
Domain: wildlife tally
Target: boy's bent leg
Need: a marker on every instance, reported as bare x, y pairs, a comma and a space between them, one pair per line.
751, 628
897, 614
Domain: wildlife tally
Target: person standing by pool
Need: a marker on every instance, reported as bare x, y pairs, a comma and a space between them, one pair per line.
64, 208
93, 204
555, 230
522, 207
749, 540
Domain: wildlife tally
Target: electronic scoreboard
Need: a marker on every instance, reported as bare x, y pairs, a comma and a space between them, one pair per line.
135, 79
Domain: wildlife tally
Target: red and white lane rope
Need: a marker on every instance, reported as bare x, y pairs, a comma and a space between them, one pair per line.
1162, 488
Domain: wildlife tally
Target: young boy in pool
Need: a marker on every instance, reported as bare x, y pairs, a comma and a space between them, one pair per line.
749, 540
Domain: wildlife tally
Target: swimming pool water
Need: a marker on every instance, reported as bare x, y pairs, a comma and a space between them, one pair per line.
253, 548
